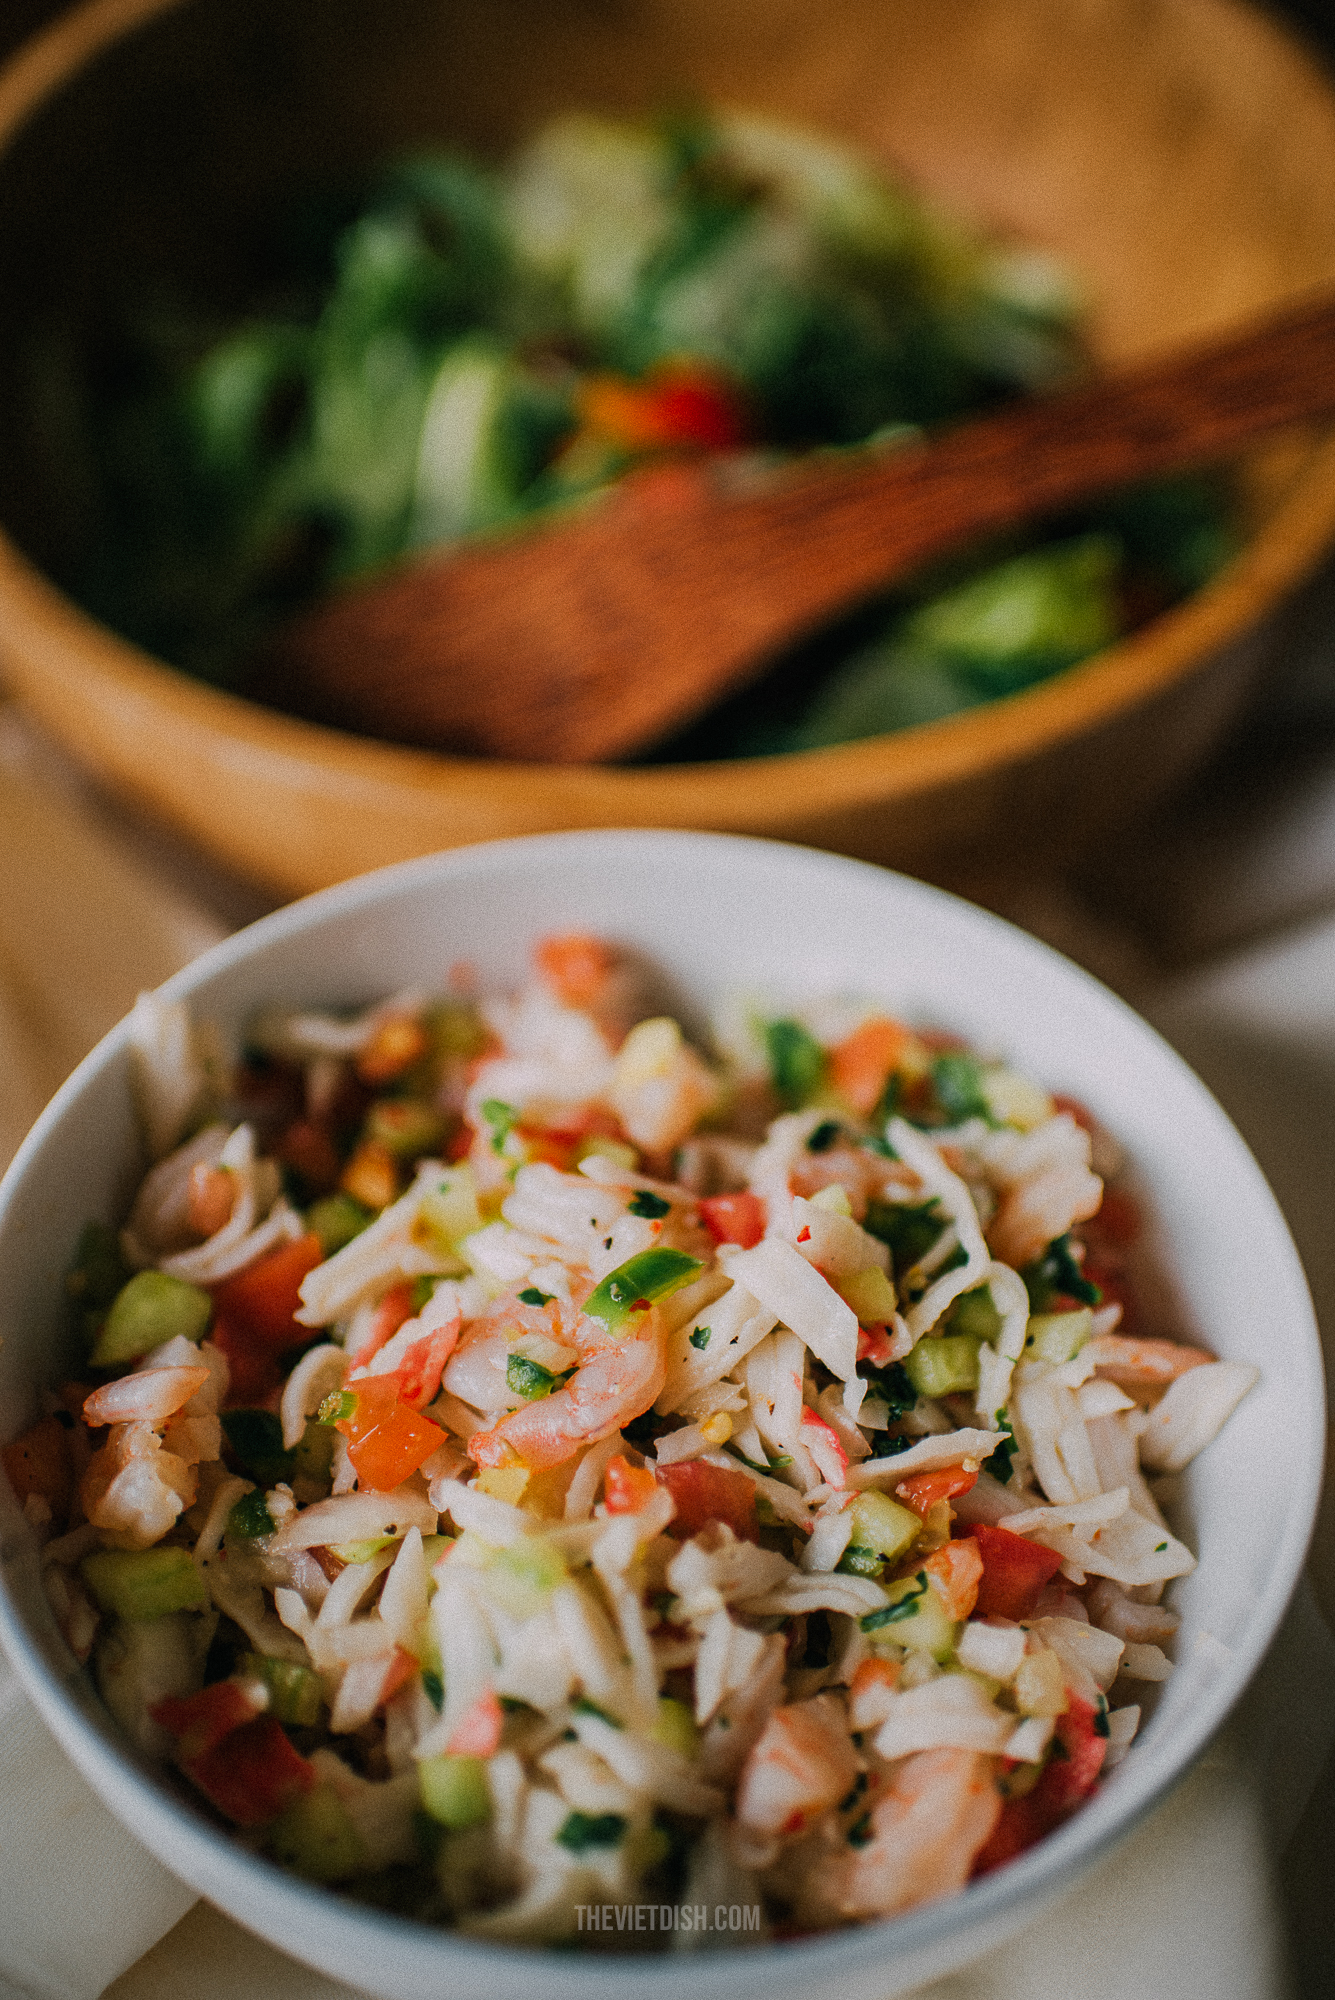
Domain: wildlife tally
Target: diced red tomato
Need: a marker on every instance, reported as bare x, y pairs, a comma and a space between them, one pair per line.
924, 1489
627, 1488
39, 1462
575, 966
253, 1774
704, 1493
260, 1301
1074, 1766
734, 1218
478, 1733
387, 1441
1118, 1218
956, 1570
422, 1366
200, 1721
861, 1065
679, 403
255, 1376
1021, 1824
395, 1310
1015, 1572
308, 1145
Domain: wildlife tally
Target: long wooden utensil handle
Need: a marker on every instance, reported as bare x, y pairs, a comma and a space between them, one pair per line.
587, 636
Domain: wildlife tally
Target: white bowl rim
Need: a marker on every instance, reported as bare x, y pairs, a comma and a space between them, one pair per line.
250, 1888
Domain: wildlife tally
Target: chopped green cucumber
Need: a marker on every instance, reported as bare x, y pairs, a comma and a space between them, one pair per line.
1057, 1337
881, 1524
914, 1617
150, 1308
944, 1364
455, 1790
296, 1693
316, 1838
144, 1583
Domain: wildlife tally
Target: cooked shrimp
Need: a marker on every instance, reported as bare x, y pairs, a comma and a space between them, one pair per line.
612, 1386
802, 1765
1142, 1364
1045, 1185
926, 1828
133, 1489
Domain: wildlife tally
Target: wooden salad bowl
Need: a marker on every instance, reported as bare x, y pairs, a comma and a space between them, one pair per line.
1178, 155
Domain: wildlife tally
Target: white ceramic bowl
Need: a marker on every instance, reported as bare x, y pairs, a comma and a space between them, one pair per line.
716, 913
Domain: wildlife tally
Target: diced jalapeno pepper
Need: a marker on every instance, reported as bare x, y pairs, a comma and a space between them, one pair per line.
643, 1280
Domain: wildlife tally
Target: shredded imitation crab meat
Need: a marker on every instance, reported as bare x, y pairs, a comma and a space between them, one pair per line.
527, 1462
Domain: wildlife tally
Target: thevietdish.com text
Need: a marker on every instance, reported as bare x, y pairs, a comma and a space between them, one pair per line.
668, 1916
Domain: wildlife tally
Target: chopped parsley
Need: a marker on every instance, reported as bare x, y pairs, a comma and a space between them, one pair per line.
699, 1337
502, 1118
649, 1205
434, 1688
530, 1380
998, 1463
825, 1135
860, 1831
1057, 1274
584, 1830
583, 1706
904, 1607
957, 1083
1101, 1727
250, 1517
796, 1061
531, 1296
908, 1229
1159, 1548
893, 1386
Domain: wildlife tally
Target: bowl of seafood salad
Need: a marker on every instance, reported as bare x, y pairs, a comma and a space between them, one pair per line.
529, 1456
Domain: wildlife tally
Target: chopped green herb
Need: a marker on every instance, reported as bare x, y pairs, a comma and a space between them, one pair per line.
699, 1337
904, 1607
651, 1206
907, 1229
642, 1281
861, 1562
1057, 1274
583, 1706
859, 1787
250, 1517
893, 1386
958, 1087
434, 1688
502, 1119
531, 1296
584, 1830
1101, 1716
860, 1831
881, 1147
256, 1439
824, 1136
998, 1462
885, 1445
796, 1061
1159, 1548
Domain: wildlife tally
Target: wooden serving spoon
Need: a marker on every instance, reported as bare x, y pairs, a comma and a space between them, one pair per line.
598, 631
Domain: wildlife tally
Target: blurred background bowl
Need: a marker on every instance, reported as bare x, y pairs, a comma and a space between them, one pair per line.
1178, 155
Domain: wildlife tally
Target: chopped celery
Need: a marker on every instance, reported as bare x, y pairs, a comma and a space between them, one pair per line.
881, 1524
944, 1364
145, 1583
336, 1220
363, 1551
1058, 1337
455, 1790
296, 1693
796, 1061
150, 1308
316, 1838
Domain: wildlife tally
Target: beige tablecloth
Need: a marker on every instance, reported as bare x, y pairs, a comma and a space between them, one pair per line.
1211, 1899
